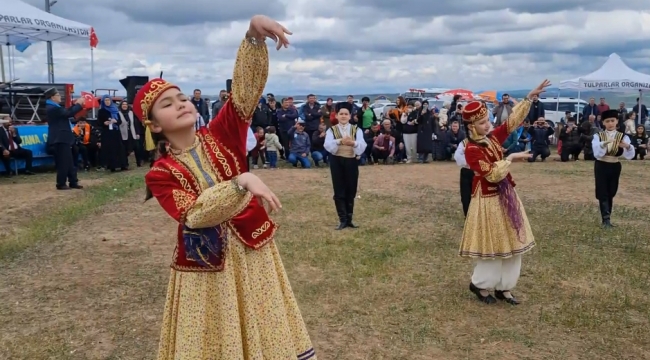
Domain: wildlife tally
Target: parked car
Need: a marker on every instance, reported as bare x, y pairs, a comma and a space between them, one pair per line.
554, 107
381, 109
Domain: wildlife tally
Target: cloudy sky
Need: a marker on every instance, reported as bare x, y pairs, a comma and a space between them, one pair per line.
350, 46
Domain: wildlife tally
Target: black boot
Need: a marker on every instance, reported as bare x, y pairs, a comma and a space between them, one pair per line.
604, 213
489, 299
349, 209
510, 300
340, 211
611, 205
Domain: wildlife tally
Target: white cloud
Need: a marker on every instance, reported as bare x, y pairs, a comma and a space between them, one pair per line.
356, 52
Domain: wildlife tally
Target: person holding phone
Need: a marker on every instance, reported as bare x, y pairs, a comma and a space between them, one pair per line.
424, 142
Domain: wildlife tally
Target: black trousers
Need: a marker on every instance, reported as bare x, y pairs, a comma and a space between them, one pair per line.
345, 178
607, 176
640, 153
466, 179
540, 150
20, 154
66, 170
568, 150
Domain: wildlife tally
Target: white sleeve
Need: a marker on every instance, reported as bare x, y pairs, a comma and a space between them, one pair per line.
251, 142
330, 143
359, 143
459, 155
629, 153
598, 150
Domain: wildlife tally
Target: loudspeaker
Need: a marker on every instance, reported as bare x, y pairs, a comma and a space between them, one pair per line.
132, 84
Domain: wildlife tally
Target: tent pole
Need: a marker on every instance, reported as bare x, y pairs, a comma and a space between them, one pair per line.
92, 75
2, 65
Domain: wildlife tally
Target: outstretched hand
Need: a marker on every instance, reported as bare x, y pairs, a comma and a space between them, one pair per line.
262, 27
519, 155
539, 89
255, 186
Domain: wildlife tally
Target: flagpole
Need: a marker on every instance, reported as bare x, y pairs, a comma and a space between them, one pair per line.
92, 75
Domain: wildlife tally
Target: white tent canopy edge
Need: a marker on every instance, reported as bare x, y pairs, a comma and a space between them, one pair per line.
614, 75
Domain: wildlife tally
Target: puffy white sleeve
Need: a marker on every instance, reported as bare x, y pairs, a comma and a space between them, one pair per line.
251, 142
459, 155
597, 147
359, 143
629, 152
331, 144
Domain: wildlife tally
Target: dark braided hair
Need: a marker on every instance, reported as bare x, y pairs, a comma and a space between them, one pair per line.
161, 150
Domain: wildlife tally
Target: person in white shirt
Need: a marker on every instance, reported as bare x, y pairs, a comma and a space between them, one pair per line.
608, 145
251, 142
345, 143
466, 176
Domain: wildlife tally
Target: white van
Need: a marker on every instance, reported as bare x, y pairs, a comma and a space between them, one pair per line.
554, 107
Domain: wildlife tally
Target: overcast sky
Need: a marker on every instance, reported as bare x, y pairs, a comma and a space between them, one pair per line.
350, 46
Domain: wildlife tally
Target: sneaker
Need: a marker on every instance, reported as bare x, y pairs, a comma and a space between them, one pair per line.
264, 167
255, 167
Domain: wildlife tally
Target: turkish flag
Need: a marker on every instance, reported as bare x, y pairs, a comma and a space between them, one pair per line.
93, 38
91, 101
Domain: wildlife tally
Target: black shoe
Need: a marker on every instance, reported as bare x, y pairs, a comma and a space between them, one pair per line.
62, 187
29, 172
607, 224
342, 225
76, 186
489, 299
349, 222
510, 300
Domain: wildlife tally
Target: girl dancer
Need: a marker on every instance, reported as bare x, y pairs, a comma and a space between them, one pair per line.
229, 297
496, 231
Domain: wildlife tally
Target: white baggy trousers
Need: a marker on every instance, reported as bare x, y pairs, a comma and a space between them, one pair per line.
498, 274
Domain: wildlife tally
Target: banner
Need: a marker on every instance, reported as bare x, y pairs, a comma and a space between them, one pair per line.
34, 138
44, 24
625, 85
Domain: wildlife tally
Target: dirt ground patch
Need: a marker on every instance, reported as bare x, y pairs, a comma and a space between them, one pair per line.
392, 289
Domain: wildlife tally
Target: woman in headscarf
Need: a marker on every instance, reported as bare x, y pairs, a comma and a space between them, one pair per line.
109, 119
130, 133
425, 133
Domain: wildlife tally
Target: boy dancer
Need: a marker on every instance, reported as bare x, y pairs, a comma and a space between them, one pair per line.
344, 142
608, 145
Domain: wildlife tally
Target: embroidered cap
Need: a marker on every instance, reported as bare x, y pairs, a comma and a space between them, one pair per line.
474, 111
608, 114
143, 102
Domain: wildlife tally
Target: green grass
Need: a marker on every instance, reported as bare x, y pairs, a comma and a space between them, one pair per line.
93, 198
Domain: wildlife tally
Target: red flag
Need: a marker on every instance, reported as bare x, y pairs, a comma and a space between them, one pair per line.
91, 101
93, 38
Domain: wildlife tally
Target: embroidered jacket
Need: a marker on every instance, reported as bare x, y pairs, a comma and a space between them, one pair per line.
200, 195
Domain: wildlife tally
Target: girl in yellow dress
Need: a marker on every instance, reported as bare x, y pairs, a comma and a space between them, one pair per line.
229, 297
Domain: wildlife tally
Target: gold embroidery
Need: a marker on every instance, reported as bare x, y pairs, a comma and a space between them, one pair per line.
183, 202
219, 155
156, 87
259, 243
485, 166
261, 230
618, 138
499, 170
234, 159
216, 205
249, 77
184, 183
519, 113
156, 168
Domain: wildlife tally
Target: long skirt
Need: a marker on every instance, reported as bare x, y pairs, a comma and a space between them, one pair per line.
489, 233
245, 312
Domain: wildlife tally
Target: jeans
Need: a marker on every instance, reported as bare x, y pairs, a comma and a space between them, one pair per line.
295, 158
272, 157
320, 155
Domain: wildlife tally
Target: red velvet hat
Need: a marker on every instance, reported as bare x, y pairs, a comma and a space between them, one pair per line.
143, 102
147, 96
474, 111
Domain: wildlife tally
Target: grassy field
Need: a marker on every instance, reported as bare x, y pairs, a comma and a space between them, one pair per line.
94, 287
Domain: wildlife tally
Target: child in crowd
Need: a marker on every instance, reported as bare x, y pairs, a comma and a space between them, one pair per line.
640, 143
259, 152
273, 146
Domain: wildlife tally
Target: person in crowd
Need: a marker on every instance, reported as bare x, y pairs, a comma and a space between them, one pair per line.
300, 145
129, 132
223, 97
10, 142
88, 143
262, 116
503, 110
311, 115
455, 137
387, 129
318, 152
344, 142
273, 108
355, 109
590, 109
365, 116
602, 106
457, 115
587, 132
201, 106
629, 124
409, 121
287, 117
524, 136
454, 105
327, 112
496, 240
536, 110
383, 148
642, 113
539, 139
259, 151
369, 136
571, 144
273, 146
60, 136
640, 143
608, 145
424, 140
225, 281
622, 112
112, 146
512, 145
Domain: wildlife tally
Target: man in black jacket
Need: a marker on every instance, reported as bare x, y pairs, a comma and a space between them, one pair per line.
201, 106
570, 137
10, 147
60, 136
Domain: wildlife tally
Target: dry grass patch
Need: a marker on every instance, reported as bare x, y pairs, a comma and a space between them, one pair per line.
392, 289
